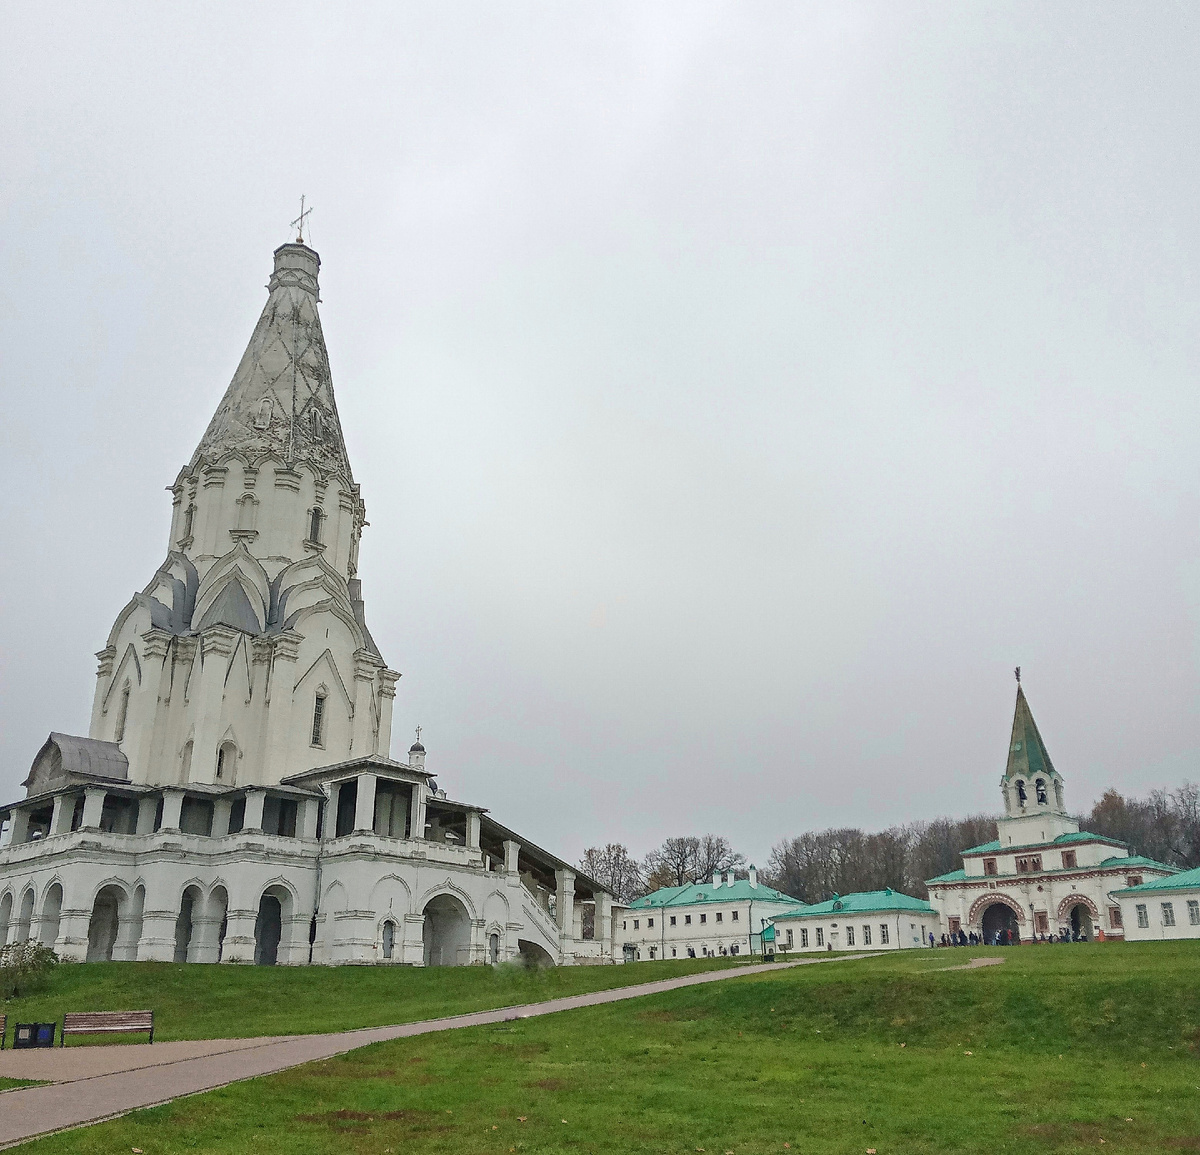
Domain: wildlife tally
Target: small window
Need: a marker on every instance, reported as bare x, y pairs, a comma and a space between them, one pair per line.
1168, 914
789, 938
718, 916
1143, 916
637, 923
122, 714
389, 938
989, 866
883, 934
262, 421
226, 763
672, 920
1193, 912
318, 721
820, 936
189, 519
733, 916
652, 950
849, 936
650, 922
803, 937
624, 926
1114, 916
673, 952
866, 936
687, 920
314, 524
1069, 861
703, 919
1134, 880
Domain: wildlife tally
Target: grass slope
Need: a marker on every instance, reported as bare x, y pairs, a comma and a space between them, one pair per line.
1056, 1050
224, 1001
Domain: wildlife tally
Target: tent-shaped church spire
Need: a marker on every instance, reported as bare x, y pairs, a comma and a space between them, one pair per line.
1027, 754
280, 402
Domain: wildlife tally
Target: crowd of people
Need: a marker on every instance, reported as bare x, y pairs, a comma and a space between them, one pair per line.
1008, 937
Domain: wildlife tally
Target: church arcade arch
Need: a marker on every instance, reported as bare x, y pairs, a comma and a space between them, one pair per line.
104, 925
6, 906
25, 918
446, 933
51, 914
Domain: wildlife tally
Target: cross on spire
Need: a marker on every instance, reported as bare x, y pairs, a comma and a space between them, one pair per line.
1017, 672
418, 733
299, 222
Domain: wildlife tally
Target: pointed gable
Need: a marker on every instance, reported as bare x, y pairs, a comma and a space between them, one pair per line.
280, 402
1027, 754
232, 608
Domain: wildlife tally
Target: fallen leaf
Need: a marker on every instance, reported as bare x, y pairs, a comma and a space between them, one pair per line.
1128, 1120
904, 1044
870, 1151
522, 1118
564, 1120
495, 1128
968, 1052
136, 1150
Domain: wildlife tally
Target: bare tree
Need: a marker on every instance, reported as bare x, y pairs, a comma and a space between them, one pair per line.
713, 854
679, 861
615, 869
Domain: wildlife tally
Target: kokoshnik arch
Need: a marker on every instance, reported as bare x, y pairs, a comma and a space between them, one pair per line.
235, 799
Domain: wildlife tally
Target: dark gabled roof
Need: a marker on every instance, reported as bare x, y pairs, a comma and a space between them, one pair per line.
85, 756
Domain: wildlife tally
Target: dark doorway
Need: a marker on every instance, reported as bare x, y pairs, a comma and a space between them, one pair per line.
1081, 922
346, 804
267, 929
999, 918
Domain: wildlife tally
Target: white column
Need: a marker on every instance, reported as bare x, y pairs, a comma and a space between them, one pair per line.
565, 905
147, 809
306, 825
511, 850
64, 811
254, 810
387, 699
363, 728
473, 829
172, 808
18, 826
220, 827
603, 930
279, 710
93, 806
364, 806
417, 820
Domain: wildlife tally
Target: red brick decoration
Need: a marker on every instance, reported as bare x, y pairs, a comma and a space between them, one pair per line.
1064, 907
984, 901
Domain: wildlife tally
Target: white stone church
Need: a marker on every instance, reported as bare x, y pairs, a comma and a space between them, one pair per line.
1042, 875
235, 800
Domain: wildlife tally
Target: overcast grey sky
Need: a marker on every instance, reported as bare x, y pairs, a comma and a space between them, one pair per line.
738, 391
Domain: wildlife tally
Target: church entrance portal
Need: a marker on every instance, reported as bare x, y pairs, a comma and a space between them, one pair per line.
446, 933
268, 928
999, 919
1081, 922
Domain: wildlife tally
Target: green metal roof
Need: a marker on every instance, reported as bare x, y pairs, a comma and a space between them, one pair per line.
1181, 880
865, 902
1027, 754
1062, 840
953, 876
704, 892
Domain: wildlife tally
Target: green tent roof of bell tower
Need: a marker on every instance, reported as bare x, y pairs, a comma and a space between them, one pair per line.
1027, 754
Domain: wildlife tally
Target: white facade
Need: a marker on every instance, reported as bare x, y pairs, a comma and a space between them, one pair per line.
877, 920
1043, 875
722, 917
235, 799
1162, 909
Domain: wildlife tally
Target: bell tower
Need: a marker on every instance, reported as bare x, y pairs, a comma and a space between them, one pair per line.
247, 657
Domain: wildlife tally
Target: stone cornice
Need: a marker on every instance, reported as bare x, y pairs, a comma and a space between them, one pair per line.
992, 882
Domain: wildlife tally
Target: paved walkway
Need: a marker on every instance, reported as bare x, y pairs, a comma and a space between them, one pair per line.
95, 1083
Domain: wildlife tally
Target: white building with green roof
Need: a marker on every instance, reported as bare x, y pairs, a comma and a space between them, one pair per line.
1163, 908
724, 916
879, 919
1042, 874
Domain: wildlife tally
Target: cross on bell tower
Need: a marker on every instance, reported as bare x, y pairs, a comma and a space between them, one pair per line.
299, 222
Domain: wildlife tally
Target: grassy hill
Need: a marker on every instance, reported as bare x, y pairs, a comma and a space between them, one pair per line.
1057, 1050
225, 1001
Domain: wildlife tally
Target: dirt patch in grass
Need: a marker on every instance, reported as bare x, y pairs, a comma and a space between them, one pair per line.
522, 1050
552, 1084
406, 1115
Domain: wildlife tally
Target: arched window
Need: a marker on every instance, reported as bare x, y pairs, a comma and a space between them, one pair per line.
264, 413
227, 764
122, 714
246, 511
1041, 792
317, 422
314, 524
318, 720
189, 518
493, 949
185, 762
389, 938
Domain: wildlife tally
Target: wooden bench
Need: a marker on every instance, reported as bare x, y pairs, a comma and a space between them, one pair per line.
107, 1023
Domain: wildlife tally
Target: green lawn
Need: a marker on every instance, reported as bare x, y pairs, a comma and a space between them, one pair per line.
1056, 1050
226, 1001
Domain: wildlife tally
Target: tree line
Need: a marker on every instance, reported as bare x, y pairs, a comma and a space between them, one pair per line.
814, 866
